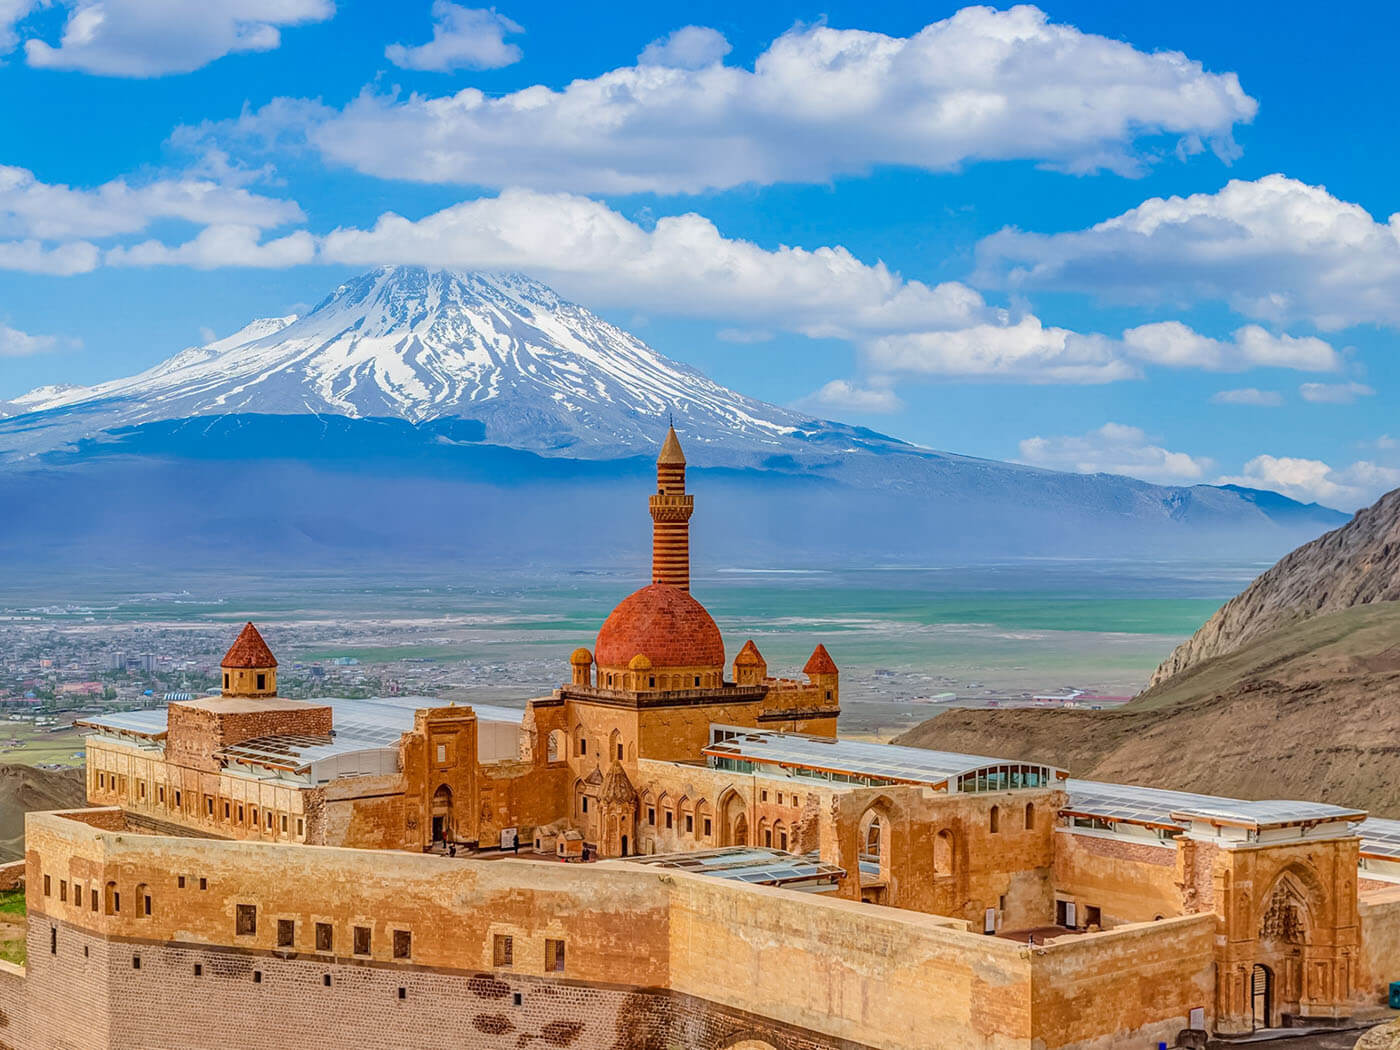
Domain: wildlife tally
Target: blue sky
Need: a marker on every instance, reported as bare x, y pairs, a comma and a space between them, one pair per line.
1148, 240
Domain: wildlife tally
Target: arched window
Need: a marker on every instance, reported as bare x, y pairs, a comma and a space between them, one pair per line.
943, 853
995, 819
556, 750
1030, 816
580, 743
143, 901
780, 836
615, 745
114, 899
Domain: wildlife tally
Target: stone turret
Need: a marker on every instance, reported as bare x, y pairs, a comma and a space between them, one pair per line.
250, 669
821, 671
749, 666
671, 508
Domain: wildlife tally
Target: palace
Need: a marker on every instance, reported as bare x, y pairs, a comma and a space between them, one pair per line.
346, 873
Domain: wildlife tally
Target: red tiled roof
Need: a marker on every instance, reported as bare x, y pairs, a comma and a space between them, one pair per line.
749, 654
249, 650
664, 624
820, 662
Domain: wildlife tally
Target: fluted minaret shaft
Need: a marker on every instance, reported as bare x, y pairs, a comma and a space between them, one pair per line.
670, 516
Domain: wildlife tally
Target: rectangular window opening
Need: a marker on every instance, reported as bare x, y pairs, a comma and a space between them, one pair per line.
323, 937
503, 950
286, 933
361, 940
246, 920
554, 956
403, 944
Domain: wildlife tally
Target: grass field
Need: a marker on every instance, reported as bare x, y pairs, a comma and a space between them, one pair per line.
12, 927
23, 744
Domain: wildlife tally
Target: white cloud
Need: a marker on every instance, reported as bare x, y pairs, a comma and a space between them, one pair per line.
463, 38
683, 266
690, 47
1334, 393
55, 225
14, 343
30, 208
818, 103
217, 246
1173, 344
1248, 396
1385, 441
841, 395
149, 38
1314, 481
62, 260
1274, 248
1025, 350
1114, 448
744, 336
11, 13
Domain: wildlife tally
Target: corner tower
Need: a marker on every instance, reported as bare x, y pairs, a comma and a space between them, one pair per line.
250, 669
671, 508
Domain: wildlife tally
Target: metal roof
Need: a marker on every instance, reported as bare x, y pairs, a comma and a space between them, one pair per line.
890, 762
1380, 838
357, 726
752, 864
1157, 807
147, 723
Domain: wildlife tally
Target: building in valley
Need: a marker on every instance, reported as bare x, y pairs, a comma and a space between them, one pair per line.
334, 873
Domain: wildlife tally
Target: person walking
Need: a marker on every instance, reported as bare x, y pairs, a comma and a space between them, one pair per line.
515, 842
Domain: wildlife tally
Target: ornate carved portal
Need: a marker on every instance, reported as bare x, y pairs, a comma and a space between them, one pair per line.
1284, 940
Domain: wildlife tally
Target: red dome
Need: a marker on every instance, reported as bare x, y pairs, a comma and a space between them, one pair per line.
664, 624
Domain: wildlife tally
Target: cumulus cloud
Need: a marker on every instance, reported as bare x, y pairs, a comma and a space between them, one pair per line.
218, 246
63, 260
150, 38
1173, 344
1025, 350
29, 207
1314, 481
843, 395
1248, 396
463, 38
690, 47
1114, 448
1274, 248
11, 13
683, 266
1334, 393
14, 343
818, 103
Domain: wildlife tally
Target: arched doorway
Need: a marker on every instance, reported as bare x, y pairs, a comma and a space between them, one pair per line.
733, 819
1261, 994
442, 814
873, 854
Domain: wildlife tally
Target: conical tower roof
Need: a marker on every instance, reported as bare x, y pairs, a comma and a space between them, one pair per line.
671, 449
820, 662
749, 654
249, 650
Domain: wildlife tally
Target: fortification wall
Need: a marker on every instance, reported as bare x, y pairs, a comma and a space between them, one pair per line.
1133, 986
1380, 940
650, 960
889, 978
1127, 881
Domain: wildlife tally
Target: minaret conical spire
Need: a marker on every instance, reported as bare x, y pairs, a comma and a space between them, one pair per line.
671, 508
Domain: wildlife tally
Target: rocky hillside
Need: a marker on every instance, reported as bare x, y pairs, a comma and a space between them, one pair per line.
24, 788
1356, 564
1305, 711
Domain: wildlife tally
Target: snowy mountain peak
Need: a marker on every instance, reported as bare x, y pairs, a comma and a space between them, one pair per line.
540, 373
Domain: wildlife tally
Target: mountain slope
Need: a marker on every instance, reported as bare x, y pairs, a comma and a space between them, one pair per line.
418, 345
428, 392
1354, 565
1302, 711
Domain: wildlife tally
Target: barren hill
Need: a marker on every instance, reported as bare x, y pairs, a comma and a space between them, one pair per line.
24, 788
1354, 565
1310, 710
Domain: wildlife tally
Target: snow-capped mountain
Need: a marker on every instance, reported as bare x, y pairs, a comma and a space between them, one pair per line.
482, 413
414, 344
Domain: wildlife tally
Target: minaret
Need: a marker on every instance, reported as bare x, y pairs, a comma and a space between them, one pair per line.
670, 515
